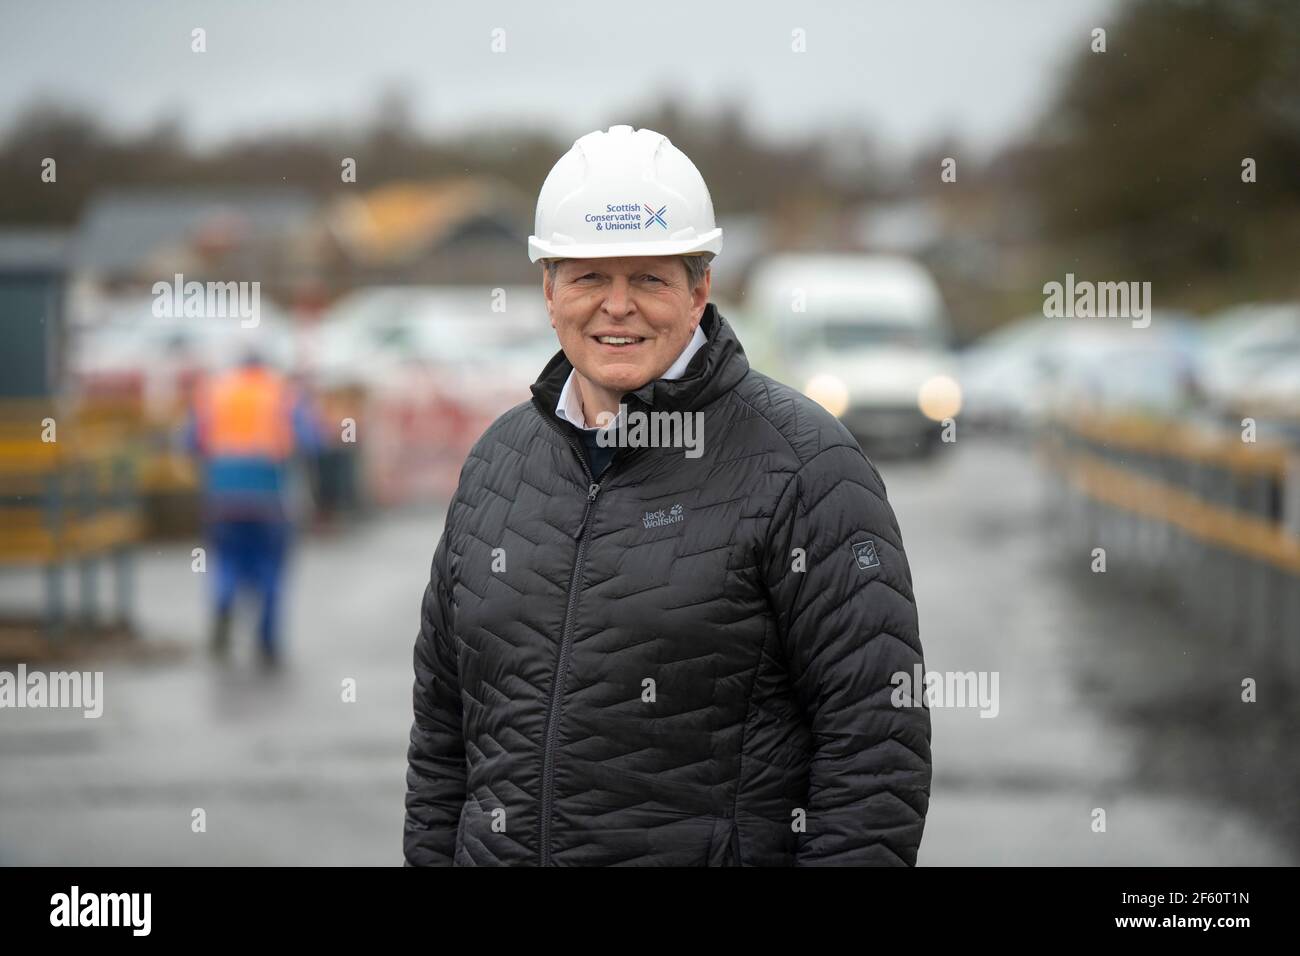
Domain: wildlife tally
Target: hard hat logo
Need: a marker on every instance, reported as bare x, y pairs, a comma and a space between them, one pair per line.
576, 220
616, 216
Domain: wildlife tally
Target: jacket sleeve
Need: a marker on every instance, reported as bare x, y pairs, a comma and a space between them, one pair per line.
847, 623
435, 773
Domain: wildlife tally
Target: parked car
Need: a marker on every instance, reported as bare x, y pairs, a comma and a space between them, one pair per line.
1006, 376
1251, 353
454, 334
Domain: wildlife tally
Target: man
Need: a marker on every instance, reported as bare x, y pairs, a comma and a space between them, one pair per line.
246, 425
648, 655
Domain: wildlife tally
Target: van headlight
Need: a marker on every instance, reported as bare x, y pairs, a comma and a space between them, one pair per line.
829, 392
939, 398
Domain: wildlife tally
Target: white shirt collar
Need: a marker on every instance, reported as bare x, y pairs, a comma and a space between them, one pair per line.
569, 406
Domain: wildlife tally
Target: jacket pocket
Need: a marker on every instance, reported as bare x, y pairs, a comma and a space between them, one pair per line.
735, 845
724, 843
458, 855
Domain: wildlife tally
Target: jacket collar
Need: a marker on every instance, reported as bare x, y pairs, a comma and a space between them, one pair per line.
712, 372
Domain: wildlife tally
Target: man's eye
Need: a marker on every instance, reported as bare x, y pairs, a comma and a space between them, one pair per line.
652, 278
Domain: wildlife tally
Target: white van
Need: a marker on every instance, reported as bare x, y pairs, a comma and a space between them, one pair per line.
867, 336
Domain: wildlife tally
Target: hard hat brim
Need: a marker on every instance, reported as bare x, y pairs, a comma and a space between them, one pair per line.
710, 241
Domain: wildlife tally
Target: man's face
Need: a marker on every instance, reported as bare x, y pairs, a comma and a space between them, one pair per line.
643, 303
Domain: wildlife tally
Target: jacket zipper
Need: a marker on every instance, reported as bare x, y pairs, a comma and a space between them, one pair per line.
561, 670
561, 664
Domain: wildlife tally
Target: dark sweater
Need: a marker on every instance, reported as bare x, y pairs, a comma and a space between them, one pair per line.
598, 457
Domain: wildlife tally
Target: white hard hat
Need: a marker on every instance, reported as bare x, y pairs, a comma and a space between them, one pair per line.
624, 192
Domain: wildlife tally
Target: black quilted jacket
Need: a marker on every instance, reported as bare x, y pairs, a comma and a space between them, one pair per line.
686, 664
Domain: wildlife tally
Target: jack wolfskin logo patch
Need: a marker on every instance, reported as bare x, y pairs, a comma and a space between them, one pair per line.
657, 519
865, 553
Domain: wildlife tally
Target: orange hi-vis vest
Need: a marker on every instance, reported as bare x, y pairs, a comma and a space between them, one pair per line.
246, 413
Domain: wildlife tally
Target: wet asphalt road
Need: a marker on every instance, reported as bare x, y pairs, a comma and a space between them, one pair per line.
1106, 700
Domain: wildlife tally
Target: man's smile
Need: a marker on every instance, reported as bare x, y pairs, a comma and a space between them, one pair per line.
618, 343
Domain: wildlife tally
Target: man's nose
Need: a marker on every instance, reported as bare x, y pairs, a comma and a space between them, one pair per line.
618, 299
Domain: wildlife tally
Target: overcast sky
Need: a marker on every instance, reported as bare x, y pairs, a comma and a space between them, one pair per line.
907, 70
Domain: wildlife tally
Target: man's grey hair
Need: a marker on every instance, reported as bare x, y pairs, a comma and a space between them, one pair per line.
696, 266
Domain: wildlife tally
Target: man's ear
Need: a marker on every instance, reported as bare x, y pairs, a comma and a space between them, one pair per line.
548, 292
700, 295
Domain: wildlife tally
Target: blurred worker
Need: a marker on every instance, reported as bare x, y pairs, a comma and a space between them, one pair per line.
670, 611
247, 424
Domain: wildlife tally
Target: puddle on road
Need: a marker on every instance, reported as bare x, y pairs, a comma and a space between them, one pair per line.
1177, 690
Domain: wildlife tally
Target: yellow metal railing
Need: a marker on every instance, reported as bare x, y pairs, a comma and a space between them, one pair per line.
1197, 512
68, 496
